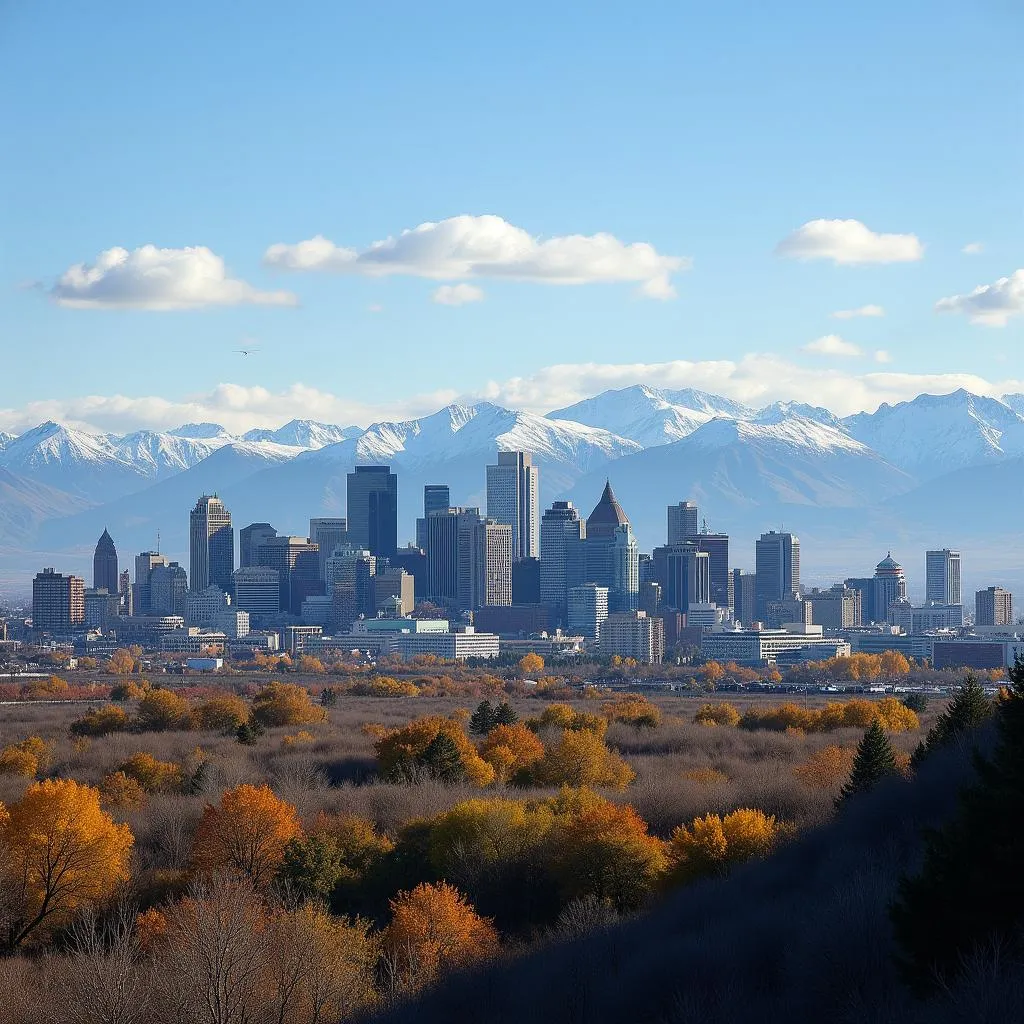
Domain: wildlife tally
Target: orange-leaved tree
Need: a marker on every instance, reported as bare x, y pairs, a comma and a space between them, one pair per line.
160, 710
434, 929
285, 704
530, 664
826, 768
247, 833
711, 844
510, 749
60, 852
434, 745
717, 714
633, 709
223, 713
152, 775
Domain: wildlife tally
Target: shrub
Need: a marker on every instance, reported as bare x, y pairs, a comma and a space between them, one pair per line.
711, 845
564, 716
221, 714
285, 704
706, 776
401, 753
511, 749
152, 775
162, 710
826, 768
580, 758
101, 721
27, 758
385, 686
121, 791
717, 714
634, 710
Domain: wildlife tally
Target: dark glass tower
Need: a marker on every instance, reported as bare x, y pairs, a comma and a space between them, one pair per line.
104, 565
373, 510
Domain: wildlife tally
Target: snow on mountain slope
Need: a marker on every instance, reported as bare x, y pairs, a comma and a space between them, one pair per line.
201, 431
1015, 402
157, 454
649, 416
5, 439
304, 434
777, 412
935, 434
747, 477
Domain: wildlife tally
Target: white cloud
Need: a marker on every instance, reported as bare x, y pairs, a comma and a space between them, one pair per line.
848, 242
152, 278
991, 304
488, 246
376, 307
849, 314
973, 248
832, 345
756, 379
457, 294
882, 356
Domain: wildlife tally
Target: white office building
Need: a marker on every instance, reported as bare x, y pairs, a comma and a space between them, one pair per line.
513, 498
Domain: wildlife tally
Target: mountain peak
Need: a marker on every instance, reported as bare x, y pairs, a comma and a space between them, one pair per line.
199, 431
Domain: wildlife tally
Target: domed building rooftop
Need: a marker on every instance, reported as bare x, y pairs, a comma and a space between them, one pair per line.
607, 515
888, 566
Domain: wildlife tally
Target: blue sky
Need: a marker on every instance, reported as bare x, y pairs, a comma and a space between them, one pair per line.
712, 132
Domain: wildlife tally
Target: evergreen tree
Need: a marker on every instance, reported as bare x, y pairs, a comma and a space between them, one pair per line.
874, 761
482, 720
328, 697
970, 891
443, 760
504, 714
917, 702
968, 709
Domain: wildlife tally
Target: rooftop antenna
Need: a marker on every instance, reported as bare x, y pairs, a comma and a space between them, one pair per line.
158, 540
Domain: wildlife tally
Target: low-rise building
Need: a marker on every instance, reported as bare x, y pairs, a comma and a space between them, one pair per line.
761, 646
458, 646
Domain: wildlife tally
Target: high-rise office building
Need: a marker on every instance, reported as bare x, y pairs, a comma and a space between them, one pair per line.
168, 585
373, 510
327, 534
485, 563
717, 547
145, 563
683, 572
942, 577
257, 591
58, 602
839, 607
607, 555
744, 596
101, 608
777, 569
297, 562
104, 565
682, 522
866, 587
350, 584
436, 498
993, 607
124, 590
587, 609
442, 547
211, 545
890, 587
526, 581
249, 540
513, 498
560, 527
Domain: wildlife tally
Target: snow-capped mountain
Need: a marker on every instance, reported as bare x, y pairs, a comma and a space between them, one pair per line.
779, 412
5, 439
304, 434
935, 434
1015, 402
650, 416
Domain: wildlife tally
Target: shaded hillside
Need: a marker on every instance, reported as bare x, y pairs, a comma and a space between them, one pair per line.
803, 936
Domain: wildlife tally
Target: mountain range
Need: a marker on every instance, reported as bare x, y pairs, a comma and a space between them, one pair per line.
935, 471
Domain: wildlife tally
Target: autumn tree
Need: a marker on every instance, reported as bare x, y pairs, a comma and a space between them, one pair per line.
633, 709
530, 664
510, 750
711, 844
580, 758
826, 768
717, 714
434, 930
223, 713
285, 704
101, 721
152, 775
873, 762
247, 833
62, 852
405, 752
893, 664
121, 662
565, 716
605, 851
162, 710
28, 757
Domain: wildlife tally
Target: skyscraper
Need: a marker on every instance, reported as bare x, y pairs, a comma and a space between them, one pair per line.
513, 498
942, 577
587, 609
682, 522
145, 563
485, 562
211, 545
717, 547
436, 498
993, 607
104, 565
297, 562
327, 534
168, 585
777, 569
890, 587
683, 572
608, 554
744, 596
58, 602
249, 540
373, 510
442, 547
560, 527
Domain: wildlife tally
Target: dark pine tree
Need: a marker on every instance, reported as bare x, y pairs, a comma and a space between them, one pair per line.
969, 894
874, 762
504, 714
482, 721
443, 760
968, 709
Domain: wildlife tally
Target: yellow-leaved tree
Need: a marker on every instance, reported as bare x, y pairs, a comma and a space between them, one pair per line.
710, 845
59, 852
285, 704
580, 758
510, 749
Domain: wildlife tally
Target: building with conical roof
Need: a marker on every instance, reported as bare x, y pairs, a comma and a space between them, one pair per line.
607, 516
104, 565
890, 587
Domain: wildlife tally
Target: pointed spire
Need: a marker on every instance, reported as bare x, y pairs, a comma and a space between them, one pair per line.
607, 514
